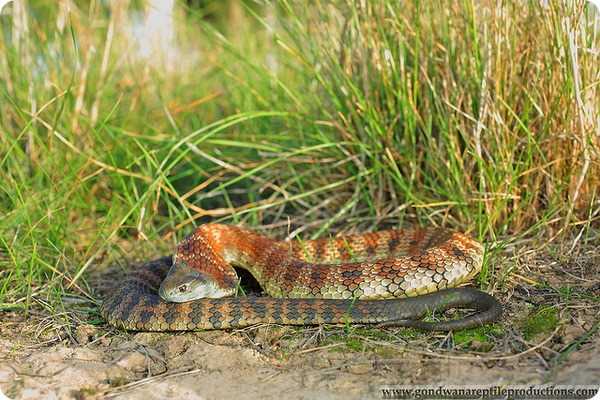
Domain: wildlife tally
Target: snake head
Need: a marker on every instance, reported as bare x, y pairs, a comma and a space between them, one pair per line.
184, 283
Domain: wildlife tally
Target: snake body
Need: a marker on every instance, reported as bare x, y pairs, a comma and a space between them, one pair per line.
370, 278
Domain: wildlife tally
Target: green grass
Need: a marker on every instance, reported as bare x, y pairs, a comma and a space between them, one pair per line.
481, 338
472, 115
540, 321
358, 339
575, 345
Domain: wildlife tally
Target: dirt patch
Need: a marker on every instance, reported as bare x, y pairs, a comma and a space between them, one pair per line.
215, 366
160, 365
549, 334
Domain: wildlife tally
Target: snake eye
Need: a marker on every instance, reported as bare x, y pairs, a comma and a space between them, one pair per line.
183, 288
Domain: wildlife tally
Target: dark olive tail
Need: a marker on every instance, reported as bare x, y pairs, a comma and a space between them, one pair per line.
487, 308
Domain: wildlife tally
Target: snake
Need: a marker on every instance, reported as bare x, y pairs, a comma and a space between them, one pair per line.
398, 277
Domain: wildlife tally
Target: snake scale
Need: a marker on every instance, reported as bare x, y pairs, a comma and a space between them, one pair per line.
392, 277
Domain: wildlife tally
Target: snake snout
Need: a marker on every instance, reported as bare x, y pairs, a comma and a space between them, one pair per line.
184, 283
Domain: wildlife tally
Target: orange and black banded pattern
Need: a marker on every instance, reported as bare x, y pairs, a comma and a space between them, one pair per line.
371, 278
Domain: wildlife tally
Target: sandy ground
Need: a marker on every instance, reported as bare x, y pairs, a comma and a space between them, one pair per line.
221, 365
41, 357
